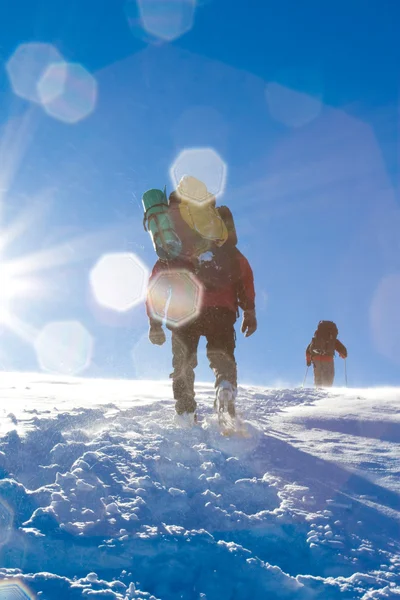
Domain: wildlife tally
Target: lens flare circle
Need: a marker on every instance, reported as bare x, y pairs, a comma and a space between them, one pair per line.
68, 92
27, 66
206, 165
52, 83
118, 281
64, 347
167, 20
15, 590
175, 297
291, 107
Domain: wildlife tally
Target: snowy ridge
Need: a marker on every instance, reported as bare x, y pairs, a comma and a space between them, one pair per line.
101, 495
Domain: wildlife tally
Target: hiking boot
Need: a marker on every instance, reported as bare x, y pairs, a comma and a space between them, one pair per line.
225, 398
186, 419
186, 404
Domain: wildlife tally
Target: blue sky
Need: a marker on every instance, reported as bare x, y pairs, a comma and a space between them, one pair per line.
300, 101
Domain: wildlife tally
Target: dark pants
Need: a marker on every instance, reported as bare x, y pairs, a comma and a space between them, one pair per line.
324, 373
217, 325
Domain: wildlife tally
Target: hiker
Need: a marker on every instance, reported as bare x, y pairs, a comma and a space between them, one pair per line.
225, 280
320, 353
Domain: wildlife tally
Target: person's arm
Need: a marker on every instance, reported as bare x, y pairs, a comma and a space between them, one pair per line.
156, 332
158, 267
308, 355
342, 350
246, 296
246, 291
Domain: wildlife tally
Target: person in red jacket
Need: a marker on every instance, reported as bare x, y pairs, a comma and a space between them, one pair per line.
225, 280
320, 353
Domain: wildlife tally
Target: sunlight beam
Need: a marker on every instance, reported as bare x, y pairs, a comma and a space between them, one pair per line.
26, 332
14, 141
27, 220
73, 251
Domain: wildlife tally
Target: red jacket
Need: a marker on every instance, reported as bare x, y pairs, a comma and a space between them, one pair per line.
231, 290
339, 347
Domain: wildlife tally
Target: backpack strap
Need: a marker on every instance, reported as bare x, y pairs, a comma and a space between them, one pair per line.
227, 217
145, 218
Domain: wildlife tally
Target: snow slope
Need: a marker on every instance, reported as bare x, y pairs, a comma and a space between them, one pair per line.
102, 496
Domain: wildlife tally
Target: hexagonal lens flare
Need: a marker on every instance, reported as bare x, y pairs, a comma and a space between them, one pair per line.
27, 66
52, 83
206, 166
15, 590
175, 297
119, 281
291, 107
166, 20
68, 92
64, 347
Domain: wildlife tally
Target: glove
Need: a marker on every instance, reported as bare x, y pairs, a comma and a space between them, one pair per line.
309, 363
249, 323
157, 335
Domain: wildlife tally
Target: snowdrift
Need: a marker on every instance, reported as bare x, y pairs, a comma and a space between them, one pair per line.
103, 496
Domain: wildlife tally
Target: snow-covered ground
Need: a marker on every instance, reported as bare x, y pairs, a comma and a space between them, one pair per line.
102, 496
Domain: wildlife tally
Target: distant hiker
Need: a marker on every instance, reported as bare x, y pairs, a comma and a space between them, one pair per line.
209, 260
320, 353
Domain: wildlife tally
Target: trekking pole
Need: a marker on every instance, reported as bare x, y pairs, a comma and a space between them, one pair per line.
305, 377
345, 371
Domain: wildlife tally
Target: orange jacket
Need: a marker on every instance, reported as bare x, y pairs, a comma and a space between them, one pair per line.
339, 348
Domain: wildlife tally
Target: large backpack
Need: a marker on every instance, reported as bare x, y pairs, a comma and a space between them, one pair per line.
179, 228
324, 340
204, 220
197, 208
214, 259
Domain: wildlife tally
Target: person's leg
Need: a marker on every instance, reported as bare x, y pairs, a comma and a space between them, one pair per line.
221, 342
185, 341
318, 380
220, 334
328, 373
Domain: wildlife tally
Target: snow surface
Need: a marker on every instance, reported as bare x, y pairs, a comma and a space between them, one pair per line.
103, 496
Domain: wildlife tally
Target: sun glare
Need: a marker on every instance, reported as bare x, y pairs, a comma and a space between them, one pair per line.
29, 278
14, 287
11, 284
8, 289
